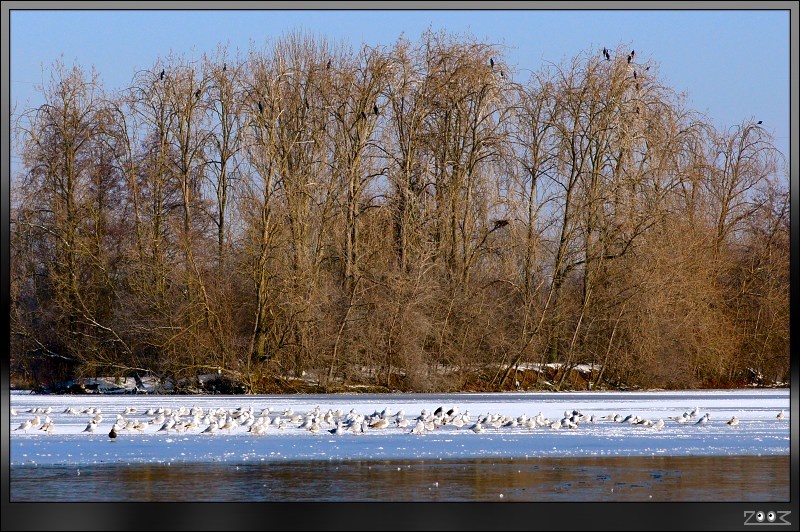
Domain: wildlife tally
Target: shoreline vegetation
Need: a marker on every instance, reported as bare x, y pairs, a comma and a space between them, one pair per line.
312, 216
534, 378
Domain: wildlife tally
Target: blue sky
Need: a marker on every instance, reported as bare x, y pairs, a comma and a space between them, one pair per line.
732, 64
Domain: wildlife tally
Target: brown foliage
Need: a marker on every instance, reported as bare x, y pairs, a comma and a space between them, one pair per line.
419, 217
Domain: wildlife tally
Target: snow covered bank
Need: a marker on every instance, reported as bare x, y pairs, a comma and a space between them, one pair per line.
144, 434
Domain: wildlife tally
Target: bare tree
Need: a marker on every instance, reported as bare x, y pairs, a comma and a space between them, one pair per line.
412, 217
69, 223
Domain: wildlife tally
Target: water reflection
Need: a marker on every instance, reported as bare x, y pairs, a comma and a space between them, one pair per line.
729, 479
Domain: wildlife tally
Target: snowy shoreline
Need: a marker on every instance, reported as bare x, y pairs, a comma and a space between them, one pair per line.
758, 431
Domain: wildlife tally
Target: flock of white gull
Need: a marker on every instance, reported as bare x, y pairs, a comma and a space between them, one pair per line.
336, 421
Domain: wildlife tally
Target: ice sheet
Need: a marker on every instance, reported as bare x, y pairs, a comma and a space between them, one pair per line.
759, 432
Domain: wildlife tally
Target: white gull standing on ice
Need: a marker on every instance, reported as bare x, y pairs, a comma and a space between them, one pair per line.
703, 420
25, 425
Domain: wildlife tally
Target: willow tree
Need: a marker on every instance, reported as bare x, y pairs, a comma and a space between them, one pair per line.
68, 223
290, 197
532, 160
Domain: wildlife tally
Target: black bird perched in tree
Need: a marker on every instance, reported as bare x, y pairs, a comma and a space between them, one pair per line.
491, 62
501, 74
113, 433
633, 52
500, 223
197, 93
606, 54
375, 109
224, 66
629, 58
647, 68
634, 74
162, 74
328, 66
759, 122
260, 108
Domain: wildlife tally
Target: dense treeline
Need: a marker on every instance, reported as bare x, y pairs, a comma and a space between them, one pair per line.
418, 217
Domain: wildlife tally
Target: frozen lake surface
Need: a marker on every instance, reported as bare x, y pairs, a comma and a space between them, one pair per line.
510, 458
758, 433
